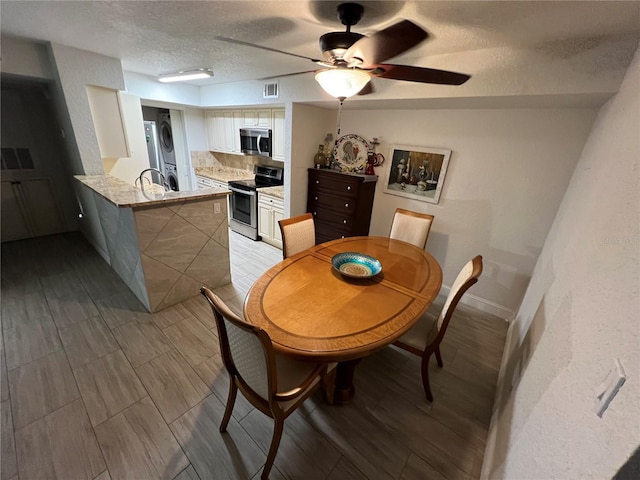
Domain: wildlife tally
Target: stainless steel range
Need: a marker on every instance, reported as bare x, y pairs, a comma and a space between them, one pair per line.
244, 199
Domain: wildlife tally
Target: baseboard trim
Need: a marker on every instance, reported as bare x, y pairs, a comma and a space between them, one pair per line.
483, 305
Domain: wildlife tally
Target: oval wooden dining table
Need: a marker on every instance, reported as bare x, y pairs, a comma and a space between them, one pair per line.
314, 313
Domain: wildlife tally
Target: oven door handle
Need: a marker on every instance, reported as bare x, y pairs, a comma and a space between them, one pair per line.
249, 193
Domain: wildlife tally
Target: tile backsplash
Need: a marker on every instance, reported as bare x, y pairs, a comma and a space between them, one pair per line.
240, 162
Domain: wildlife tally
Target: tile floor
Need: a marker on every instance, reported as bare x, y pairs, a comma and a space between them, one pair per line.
94, 387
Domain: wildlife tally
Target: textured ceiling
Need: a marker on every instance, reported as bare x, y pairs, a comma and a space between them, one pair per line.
154, 37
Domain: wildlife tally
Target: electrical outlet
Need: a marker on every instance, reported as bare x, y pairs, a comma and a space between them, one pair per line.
609, 387
216, 207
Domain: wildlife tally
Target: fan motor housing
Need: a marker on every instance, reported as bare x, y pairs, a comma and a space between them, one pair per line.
335, 44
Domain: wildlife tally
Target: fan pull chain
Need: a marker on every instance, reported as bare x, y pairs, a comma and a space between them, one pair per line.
338, 120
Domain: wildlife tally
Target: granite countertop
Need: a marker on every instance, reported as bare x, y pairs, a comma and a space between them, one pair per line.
122, 194
277, 192
224, 174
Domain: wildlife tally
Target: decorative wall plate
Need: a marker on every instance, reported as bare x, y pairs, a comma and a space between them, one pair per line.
350, 153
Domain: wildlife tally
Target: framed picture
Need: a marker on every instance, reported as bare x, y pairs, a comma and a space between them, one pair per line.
417, 172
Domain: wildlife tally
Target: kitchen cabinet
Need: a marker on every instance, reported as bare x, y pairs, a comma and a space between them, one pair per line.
257, 118
340, 203
206, 182
223, 128
278, 134
215, 130
270, 211
108, 121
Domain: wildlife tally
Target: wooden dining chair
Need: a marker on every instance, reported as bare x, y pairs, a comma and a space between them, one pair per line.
411, 227
274, 384
298, 234
425, 336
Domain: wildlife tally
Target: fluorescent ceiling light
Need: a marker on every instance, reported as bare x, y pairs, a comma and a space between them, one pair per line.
342, 82
186, 75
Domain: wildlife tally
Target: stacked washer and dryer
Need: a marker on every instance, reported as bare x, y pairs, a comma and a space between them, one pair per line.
158, 130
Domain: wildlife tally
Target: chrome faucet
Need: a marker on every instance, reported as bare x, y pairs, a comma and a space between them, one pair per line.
141, 177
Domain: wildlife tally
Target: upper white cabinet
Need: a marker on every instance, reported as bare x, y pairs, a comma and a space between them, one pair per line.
257, 118
215, 130
223, 128
278, 129
108, 120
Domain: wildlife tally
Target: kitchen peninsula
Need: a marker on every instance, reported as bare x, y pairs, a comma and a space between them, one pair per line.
165, 245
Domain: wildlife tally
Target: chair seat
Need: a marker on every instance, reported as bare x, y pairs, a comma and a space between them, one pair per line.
423, 332
292, 373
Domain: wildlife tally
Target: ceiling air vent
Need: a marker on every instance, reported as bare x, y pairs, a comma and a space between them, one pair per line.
270, 90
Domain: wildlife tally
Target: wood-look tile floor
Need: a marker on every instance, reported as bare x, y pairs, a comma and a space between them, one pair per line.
94, 387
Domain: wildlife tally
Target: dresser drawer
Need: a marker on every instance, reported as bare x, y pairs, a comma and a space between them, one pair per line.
338, 185
340, 204
330, 231
341, 221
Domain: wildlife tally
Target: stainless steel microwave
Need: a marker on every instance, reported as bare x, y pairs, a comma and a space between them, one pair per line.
256, 141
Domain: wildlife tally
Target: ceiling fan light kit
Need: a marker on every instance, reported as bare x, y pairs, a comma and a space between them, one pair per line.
342, 82
351, 59
186, 75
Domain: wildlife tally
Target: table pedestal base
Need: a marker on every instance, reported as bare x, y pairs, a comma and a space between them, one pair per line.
344, 382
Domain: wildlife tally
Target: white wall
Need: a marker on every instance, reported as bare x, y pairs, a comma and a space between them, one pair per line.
76, 69
507, 174
309, 125
26, 58
581, 311
128, 169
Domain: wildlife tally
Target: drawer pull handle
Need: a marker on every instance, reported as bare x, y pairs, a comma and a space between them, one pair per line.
342, 236
346, 205
349, 187
344, 221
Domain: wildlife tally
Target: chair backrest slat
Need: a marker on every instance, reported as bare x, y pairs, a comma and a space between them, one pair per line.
298, 234
411, 227
246, 349
247, 353
467, 277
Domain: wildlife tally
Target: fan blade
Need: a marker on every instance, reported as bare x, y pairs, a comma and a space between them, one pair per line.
286, 75
418, 74
367, 89
269, 49
386, 43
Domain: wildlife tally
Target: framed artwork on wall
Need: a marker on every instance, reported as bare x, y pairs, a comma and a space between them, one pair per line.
417, 172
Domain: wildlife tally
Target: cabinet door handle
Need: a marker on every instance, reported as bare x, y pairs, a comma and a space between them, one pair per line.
315, 213
316, 198
342, 236
344, 221
348, 187
346, 205
317, 181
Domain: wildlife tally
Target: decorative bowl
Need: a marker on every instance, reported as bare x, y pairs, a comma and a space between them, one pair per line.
356, 265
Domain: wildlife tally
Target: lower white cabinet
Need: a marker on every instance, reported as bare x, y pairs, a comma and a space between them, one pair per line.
206, 182
270, 211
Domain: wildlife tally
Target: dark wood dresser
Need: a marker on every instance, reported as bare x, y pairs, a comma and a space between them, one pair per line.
340, 203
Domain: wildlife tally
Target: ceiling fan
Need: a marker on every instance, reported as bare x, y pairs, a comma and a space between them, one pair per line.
350, 59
